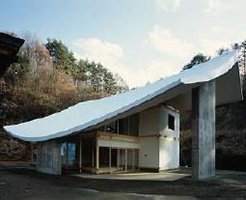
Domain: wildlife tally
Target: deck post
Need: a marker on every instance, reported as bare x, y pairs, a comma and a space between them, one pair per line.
133, 159
125, 159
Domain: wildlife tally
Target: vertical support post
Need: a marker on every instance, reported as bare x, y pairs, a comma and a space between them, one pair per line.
203, 131
125, 159
80, 154
133, 159
128, 125
118, 159
97, 156
118, 126
31, 147
92, 154
109, 159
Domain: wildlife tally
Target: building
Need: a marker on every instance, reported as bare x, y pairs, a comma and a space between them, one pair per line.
127, 144
138, 129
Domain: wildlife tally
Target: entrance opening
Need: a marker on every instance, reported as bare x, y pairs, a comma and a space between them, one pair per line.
104, 157
88, 149
89, 153
116, 160
113, 157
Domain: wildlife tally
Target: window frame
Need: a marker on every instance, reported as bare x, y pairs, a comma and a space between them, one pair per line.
171, 122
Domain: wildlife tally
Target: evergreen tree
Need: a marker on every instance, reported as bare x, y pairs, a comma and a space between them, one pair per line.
198, 59
63, 59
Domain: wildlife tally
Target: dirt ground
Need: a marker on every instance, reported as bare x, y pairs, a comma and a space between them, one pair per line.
23, 183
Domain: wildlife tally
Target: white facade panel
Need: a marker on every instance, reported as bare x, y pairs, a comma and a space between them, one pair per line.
149, 153
159, 148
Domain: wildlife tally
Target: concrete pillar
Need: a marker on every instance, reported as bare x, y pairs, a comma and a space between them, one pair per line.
49, 157
203, 128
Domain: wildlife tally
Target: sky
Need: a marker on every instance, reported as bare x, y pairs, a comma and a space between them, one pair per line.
141, 40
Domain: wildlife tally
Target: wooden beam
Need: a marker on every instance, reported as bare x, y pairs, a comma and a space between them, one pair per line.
153, 135
88, 134
117, 137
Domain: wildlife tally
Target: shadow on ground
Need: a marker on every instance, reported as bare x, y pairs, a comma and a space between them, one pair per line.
23, 183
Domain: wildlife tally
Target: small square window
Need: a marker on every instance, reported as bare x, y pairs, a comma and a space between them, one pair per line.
171, 122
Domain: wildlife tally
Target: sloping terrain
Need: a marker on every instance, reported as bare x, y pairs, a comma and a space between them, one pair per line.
230, 137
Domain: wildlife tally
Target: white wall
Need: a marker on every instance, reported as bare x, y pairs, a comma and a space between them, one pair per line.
149, 122
169, 143
168, 153
149, 152
159, 145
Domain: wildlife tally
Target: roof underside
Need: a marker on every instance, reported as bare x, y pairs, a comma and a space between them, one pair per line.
174, 90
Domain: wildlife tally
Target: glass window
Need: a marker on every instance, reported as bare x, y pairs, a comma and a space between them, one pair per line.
134, 125
112, 127
171, 122
123, 126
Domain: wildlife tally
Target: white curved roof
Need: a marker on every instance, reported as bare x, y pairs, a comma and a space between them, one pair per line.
90, 113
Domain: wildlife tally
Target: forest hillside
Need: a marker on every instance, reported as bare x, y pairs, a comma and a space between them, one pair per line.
47, 79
